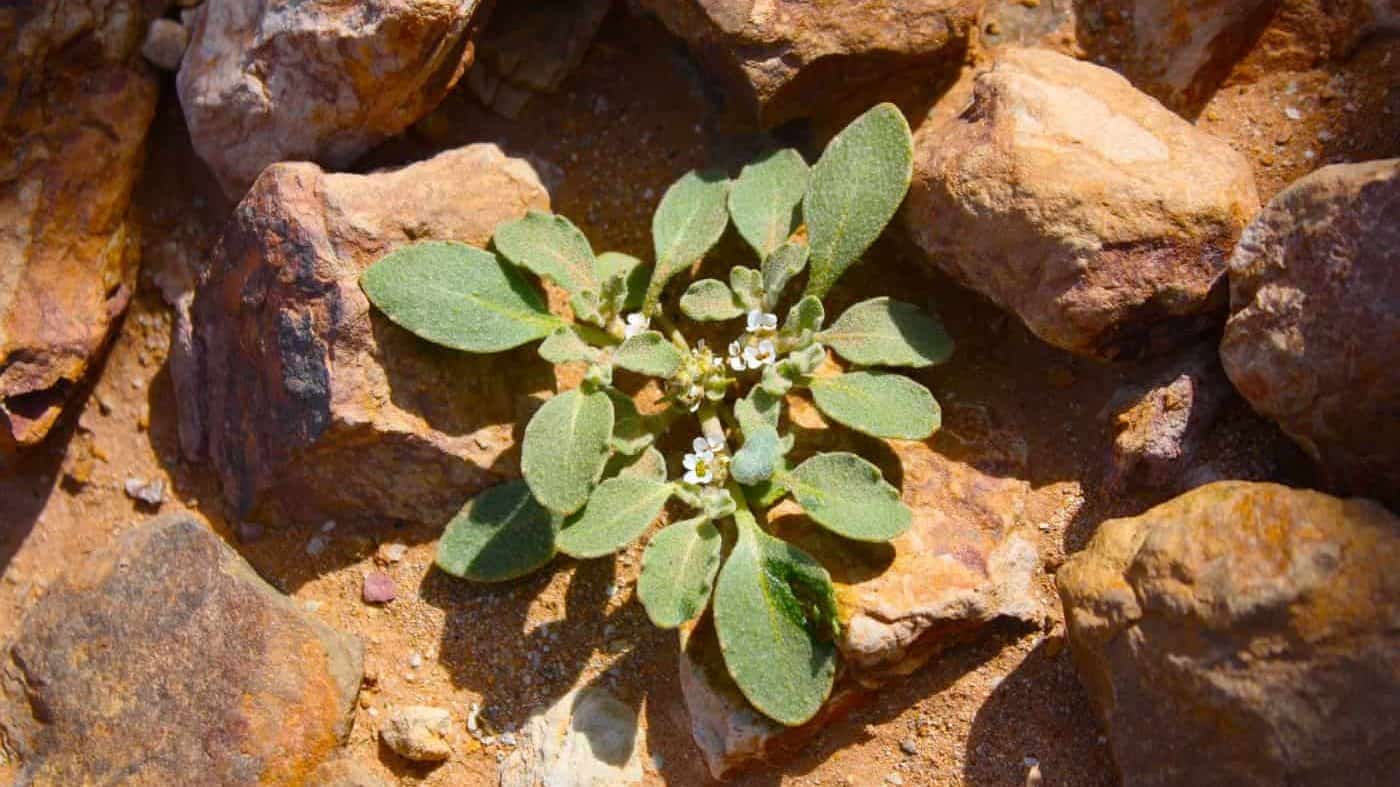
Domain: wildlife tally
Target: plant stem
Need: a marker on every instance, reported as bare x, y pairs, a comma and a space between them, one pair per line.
595, 336
668, 326
710, 425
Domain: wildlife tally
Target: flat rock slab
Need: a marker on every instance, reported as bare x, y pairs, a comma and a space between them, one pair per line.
308, 402
1313, 340
1243, 634
966, 562
587, 738
164, 656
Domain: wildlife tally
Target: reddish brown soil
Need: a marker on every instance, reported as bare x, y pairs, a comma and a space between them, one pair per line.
633, 118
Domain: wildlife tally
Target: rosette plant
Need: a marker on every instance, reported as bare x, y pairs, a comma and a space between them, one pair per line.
594, 477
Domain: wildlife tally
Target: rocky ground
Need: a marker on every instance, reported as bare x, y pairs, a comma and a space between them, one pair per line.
1030, 405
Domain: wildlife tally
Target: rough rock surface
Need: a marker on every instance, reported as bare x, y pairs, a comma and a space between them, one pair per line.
530, 47
300, 394
1159, 427
418, 733
1096, 215
966, 562
1313, 340
320, 81
1243, 634
588, 738
783, 59
76, 100
169, 637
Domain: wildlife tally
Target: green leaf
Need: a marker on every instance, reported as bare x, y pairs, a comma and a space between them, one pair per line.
649, 353
678, 571
765, 494
747, 285
630, 434
856, 187
634, 275
649, 463
565, 346
880, 404
689, 221
619, 510
779, 268
549, 246
846, 495
566, 445
757, 409
710, 300
774, 610
804, 319
885, 332
756, 460
458, 296
764, 199
500, 534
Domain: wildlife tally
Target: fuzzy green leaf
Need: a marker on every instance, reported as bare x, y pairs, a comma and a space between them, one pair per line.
757, 409
649, 464
689, 221
678, 571
775, 609
630, 434
765, 494
619, 510
765, 198
565, 346
804, 319
634, 275
886, 332
779, 268
880, 404
756, 460
566, 445
710, 300
649, 353
500, 534
856, 187
458, 296
846, 495
747, 285
550, 246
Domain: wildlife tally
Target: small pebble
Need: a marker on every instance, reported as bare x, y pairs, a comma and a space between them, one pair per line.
328, 526
909, 746
1292, 113
390, 552
315, 546
379, 588
151, 493
415, 660
418, 733
894, 779
1033, 776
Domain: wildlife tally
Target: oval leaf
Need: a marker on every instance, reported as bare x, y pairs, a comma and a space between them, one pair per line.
778, 268
846, 495
678, 571
457, 296
747, 286
648, 353
856, 187
500, 534
630, 433
549, 246
566, 445
565, 346
689, 221
774, 609
709, 300
634, 275
880, 404
886, 332
764, 199
619, 511
649, 463
754, 463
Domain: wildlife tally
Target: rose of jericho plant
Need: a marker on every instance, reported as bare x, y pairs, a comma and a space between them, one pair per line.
594, 478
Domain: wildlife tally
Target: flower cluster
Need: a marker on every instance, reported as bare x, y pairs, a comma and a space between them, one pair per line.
756, 348
700, 377
707, 463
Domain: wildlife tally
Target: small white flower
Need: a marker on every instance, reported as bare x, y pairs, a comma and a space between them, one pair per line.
736, 357
762, 322
636, 323
761, 355
694, 397
699, 466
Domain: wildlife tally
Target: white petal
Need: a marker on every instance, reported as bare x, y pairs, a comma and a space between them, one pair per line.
755, 320
699, 444
766, 347
716, 444
689, 461
705, 477
769, 321
736, 363
692, 478
734, 348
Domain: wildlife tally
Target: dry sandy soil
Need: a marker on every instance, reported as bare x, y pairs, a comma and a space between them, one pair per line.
631, 119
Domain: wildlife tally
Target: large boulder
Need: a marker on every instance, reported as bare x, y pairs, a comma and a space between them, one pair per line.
322, 81
1096, 215
76, 100
1243, 634
787, 59
309, 403
164, 658
1313, 340
968, 560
